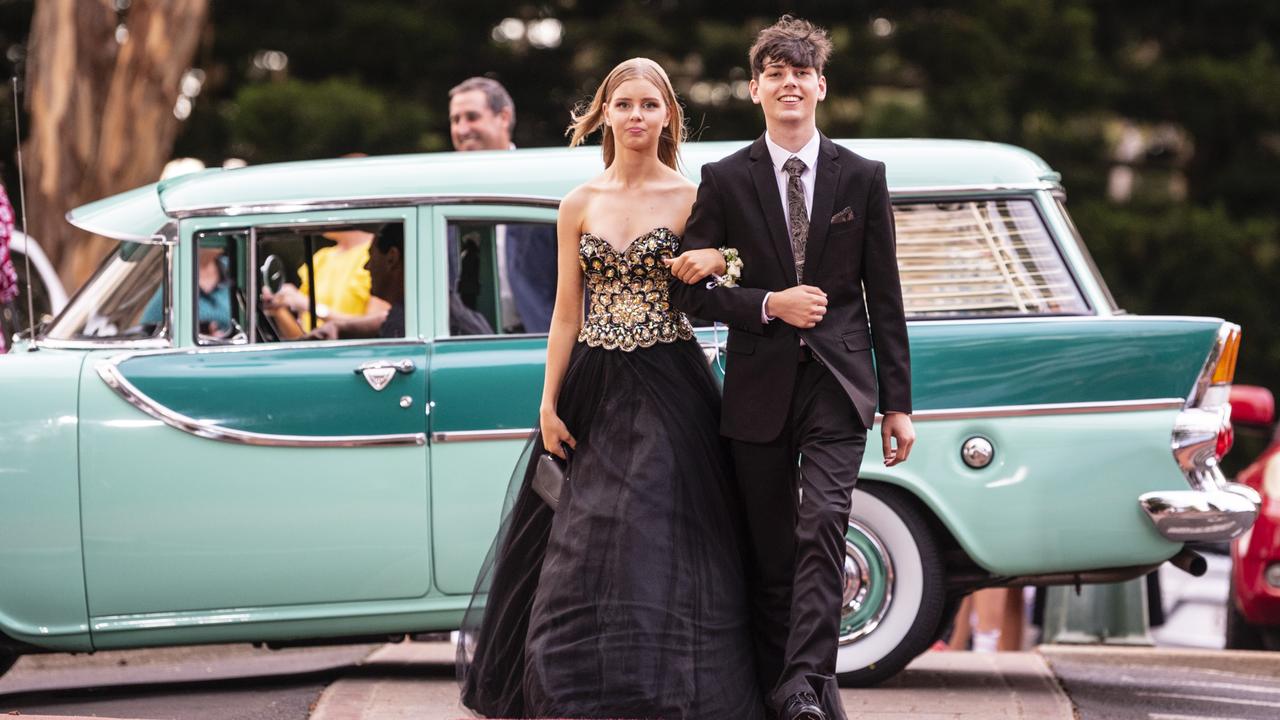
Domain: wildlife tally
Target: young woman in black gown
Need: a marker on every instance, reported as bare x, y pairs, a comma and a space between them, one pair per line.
629, 600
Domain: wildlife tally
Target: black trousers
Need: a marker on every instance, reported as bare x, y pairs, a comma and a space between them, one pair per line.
796, 497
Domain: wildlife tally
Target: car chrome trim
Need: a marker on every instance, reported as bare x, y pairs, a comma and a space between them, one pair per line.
970, 190
254, 298
474, 435
110, 373
354, 203
1087, 317
377, 201
149, 344
1077, 408
1205, 378
1215, 515
968, 320
850, 605
998, 411
1195, 436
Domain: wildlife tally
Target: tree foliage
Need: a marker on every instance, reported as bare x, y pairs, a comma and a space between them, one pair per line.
1199, 80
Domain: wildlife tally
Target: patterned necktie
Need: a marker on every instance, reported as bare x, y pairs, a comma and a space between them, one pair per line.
797, 216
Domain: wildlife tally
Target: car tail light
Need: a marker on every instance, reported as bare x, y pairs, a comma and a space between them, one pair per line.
1226, 438
1202, 432
1213, 387
1225, 369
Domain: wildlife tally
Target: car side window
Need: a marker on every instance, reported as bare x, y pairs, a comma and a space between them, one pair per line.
981, 257
501, 277
357, 293
219, 283
126, 299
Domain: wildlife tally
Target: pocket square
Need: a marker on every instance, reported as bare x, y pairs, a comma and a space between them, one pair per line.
844, 215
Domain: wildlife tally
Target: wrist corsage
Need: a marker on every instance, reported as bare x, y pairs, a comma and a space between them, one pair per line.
732, 270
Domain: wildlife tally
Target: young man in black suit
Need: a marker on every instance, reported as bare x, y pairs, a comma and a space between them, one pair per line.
813, 226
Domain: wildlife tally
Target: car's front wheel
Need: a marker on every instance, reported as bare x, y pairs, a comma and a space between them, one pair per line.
894, 590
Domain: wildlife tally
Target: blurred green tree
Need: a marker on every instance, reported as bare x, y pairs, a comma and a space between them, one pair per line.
1164, 118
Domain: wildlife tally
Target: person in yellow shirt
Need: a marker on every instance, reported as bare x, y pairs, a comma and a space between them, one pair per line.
342, 283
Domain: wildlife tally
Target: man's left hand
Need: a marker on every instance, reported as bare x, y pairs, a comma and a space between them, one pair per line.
896, 428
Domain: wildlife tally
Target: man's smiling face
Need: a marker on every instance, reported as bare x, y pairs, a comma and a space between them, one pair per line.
788, 95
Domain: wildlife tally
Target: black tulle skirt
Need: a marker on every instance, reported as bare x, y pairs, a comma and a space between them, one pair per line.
630, 600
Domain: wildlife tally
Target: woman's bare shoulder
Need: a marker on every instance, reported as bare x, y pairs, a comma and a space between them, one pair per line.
575, 201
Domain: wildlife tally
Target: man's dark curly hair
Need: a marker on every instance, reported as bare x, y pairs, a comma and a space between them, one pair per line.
799, 43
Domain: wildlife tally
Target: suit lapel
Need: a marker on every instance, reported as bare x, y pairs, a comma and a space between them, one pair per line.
771, 203
825, 180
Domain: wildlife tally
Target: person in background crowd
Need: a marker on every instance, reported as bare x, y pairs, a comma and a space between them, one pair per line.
385, 267
8, 276
481, 117
342, 283
213, 299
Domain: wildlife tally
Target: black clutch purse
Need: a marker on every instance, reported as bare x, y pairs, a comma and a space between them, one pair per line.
548, 478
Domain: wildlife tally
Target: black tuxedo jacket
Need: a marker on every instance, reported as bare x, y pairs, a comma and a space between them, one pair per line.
850, 251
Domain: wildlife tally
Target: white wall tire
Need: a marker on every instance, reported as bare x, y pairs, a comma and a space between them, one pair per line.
897, 622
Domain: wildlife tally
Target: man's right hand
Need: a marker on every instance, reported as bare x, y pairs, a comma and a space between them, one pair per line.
801, 306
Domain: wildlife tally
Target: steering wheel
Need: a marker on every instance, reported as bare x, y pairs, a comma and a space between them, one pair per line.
271, 277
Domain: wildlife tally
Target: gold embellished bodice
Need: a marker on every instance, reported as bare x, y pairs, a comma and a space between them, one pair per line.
630, 302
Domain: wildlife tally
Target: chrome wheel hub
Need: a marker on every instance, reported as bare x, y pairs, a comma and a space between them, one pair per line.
868, 583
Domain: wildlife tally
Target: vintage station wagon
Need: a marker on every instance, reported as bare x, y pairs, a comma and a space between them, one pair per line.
174, 469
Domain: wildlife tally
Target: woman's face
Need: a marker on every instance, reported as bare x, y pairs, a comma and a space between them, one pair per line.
637, 114
208, 256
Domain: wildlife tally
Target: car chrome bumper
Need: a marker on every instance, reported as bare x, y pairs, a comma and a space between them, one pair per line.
1214, 515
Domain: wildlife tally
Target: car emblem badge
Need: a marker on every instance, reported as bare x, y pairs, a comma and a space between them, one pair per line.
378, 377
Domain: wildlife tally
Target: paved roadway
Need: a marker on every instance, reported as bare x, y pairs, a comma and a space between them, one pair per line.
415, 680
1145, 684
212, 682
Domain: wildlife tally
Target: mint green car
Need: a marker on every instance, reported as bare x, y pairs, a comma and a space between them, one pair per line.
177, 467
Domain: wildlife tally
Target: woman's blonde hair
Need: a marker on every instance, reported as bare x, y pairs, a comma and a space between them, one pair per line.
591, 119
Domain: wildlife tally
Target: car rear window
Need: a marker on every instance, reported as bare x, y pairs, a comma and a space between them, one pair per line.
981, 257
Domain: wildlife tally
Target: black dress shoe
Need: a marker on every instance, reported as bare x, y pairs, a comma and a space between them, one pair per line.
802, 706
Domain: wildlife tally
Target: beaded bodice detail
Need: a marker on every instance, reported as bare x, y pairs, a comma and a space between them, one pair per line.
629, 289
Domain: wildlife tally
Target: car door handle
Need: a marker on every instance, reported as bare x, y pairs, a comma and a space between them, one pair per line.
378, 373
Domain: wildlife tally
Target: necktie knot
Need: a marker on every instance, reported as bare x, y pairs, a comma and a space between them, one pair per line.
794, 166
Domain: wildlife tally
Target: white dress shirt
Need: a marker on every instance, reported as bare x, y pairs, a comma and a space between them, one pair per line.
779, 155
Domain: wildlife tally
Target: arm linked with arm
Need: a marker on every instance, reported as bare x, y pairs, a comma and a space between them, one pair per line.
738, 307
884, 300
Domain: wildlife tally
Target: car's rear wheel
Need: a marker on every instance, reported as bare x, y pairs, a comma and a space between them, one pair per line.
894, 593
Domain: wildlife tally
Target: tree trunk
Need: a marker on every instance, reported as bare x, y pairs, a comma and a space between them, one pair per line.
101, 112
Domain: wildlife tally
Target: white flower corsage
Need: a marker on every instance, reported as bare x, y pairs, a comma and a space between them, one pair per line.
732, 270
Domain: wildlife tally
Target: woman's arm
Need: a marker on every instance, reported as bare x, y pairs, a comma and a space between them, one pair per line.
566, 321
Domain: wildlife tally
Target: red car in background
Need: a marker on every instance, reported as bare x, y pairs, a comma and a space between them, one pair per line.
1253, 607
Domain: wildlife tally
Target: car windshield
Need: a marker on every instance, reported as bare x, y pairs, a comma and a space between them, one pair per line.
126, 299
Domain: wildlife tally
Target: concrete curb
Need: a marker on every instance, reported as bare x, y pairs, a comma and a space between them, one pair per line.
965, 686
1251, 662
415, 680
408, 680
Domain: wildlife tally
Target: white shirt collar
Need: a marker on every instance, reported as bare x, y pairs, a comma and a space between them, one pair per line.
807, 154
